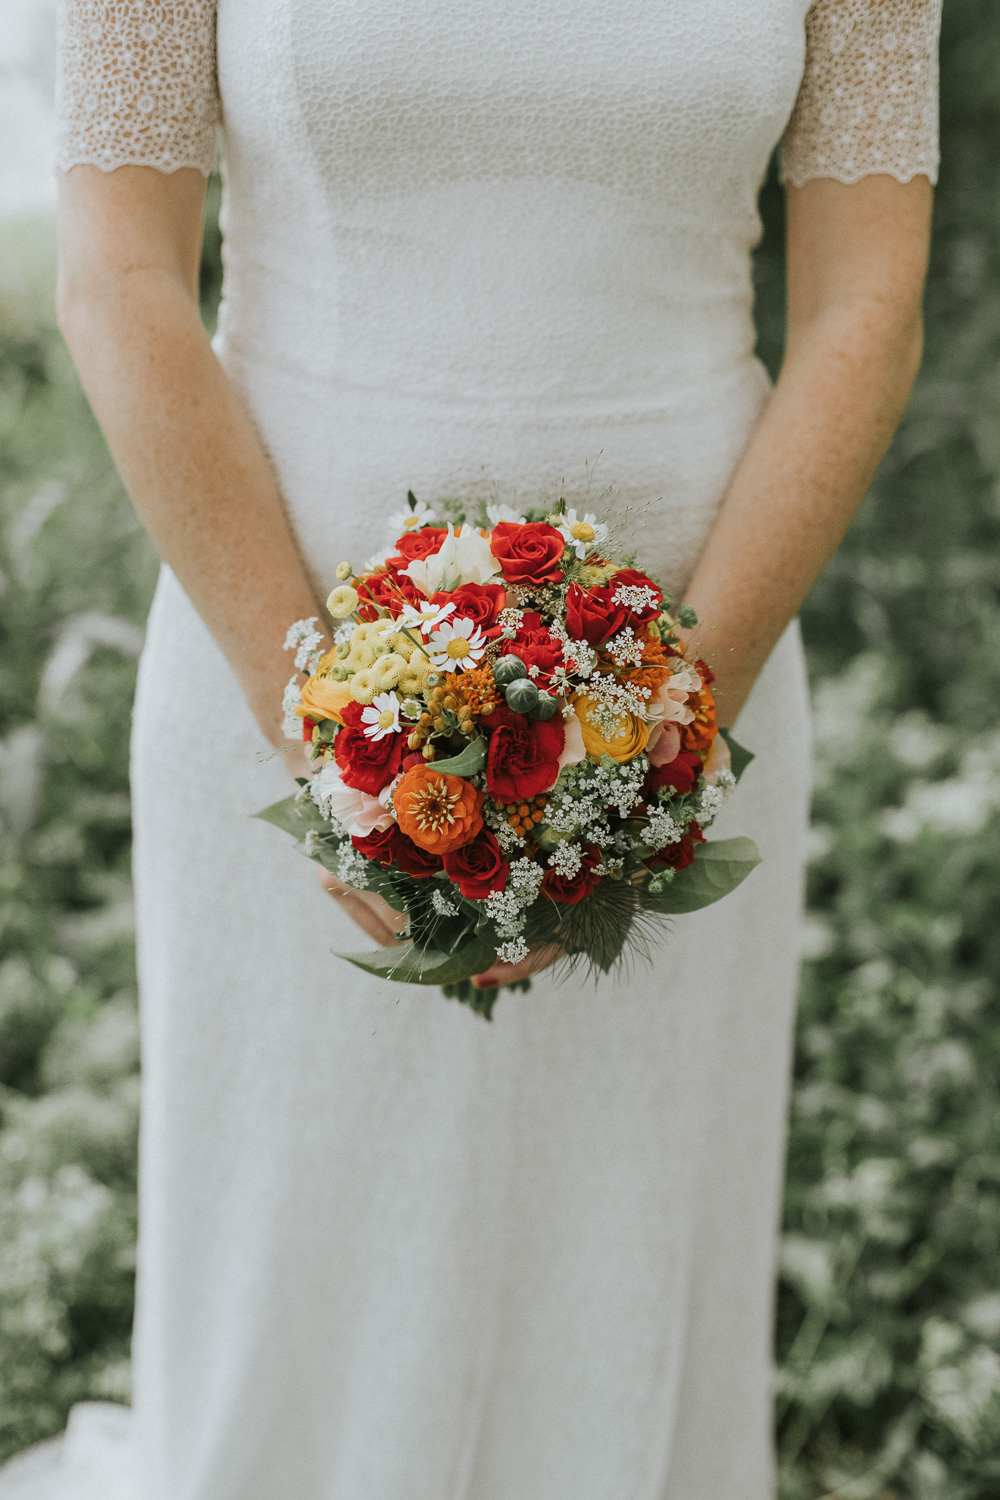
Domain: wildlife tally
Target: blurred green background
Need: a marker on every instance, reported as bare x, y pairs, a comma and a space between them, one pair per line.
888, 1379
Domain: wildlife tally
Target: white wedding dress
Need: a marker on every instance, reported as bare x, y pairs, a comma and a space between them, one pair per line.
389, 1251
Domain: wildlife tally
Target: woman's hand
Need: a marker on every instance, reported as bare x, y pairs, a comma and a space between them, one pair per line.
370, 912
538, 958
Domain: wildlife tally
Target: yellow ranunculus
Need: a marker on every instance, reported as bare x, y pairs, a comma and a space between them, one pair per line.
322, 698
628, 741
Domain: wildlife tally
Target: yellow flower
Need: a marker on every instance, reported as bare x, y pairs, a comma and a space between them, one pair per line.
343, 601
388, 670
322, 698
628, 740
411, 680
344, 571
364, 685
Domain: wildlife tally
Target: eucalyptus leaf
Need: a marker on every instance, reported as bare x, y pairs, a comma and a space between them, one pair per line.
739, 755
719, 867
294, 817
466, 763
408, 964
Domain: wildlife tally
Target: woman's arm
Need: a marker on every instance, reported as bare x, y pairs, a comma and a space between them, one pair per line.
130, 244
190, 457
857, 257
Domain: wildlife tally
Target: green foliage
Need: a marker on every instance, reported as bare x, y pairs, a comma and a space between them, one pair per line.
889, 1306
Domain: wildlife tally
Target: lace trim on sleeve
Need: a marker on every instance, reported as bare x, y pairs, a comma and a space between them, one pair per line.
137, 84
869, 96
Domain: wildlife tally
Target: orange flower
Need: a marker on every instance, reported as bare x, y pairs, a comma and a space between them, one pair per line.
627, 741
699, 734
439, 813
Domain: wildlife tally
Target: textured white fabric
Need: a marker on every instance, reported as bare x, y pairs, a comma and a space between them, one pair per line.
388, 1251
868, 101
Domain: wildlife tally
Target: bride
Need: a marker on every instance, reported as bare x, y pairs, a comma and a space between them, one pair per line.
388, 1251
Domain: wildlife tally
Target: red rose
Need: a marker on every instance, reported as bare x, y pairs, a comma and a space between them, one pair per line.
416, 545
367, 765
523, 757
678, 856
378, 845
631, 578
389, 590
308, 725
390, 846
592, 615
478, 868
479, 602
528, 553
681, 773
572, 888
535, 646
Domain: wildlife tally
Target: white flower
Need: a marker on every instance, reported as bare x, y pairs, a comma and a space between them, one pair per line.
411, 520
425, 617
498, 513
355, 811
381, 717
457, 646
292, 724
377, 561
463, 557
582, 532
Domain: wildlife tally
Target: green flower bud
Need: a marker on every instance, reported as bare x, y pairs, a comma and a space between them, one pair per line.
522, 696
509, 669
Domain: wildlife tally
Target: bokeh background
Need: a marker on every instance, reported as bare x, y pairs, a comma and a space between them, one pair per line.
888, 1311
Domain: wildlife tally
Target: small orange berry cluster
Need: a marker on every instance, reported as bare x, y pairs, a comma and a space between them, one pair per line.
522, 816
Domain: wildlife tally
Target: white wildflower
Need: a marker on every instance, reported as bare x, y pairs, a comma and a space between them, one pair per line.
640, 599
566, 860
291, 698
352, 867
514, 951
625, 647
442, 905
662, 829
425, 616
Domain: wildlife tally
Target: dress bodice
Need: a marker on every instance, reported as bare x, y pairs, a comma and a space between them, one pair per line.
521, 201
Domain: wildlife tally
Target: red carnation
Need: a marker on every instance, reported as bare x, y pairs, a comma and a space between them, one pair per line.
535, 646
308, 725
416, 545
592, 615
479, 602
478, 868
523, 757
389, 590
390, 846
529, 552
572, 888
678, 856
368, 765
681, 773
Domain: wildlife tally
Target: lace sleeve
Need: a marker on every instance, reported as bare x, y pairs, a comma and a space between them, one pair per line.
868, 101
136, 84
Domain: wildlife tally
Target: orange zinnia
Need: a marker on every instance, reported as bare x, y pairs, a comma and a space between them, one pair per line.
699, 734
438, 812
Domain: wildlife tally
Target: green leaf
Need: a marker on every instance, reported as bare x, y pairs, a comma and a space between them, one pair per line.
466, 763
738, 754
408, 964
719, 867
296, 818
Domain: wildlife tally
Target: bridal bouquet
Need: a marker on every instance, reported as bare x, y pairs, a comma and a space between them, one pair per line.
510, 745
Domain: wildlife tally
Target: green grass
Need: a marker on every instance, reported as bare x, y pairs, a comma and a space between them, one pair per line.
889, 1302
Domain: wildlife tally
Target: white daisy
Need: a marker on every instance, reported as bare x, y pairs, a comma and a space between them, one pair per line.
425, 616
411, 520
381, 717
498, 513
582, 532
457, 646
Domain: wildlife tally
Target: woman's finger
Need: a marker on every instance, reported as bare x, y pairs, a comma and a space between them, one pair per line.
373, 915
539, 958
